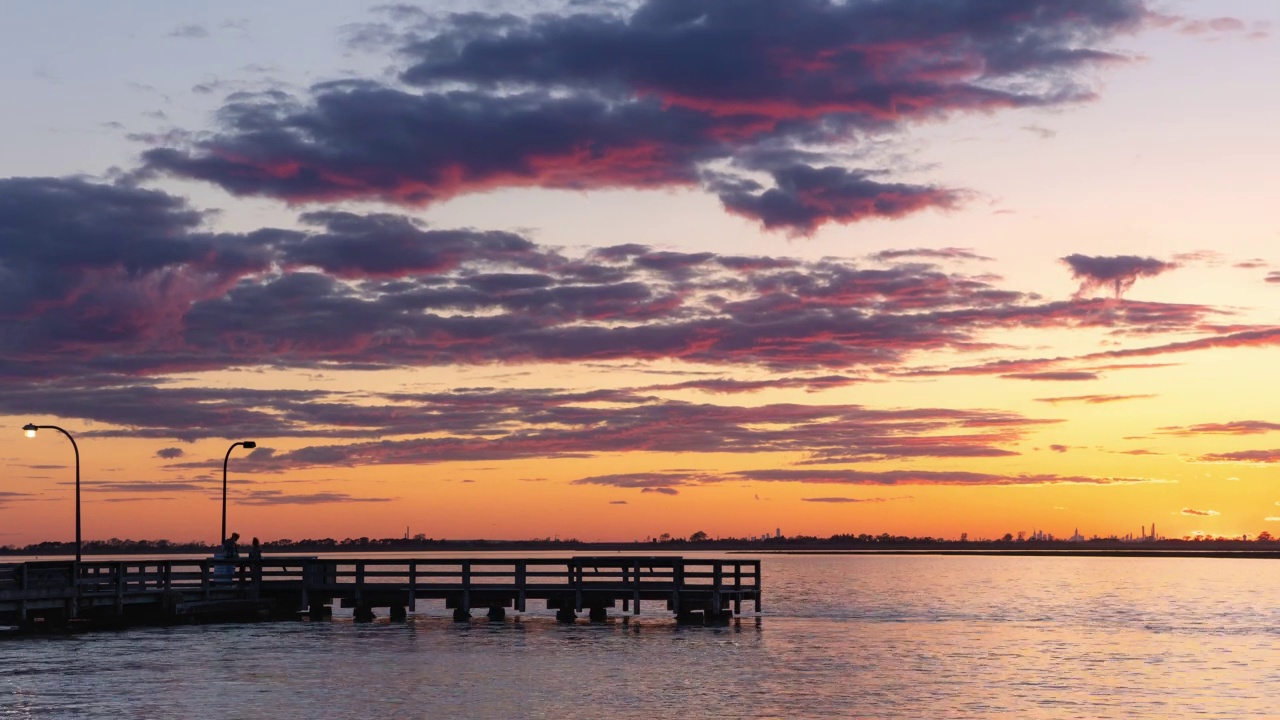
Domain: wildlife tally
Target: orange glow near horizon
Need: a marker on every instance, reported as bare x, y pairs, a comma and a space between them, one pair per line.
975, 274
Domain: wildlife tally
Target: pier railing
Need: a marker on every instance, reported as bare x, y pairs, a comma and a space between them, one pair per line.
714, 586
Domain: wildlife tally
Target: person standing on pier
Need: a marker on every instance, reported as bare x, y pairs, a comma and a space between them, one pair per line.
255, 551
230, 547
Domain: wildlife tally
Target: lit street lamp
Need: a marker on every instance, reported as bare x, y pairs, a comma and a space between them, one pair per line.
248, 445
31, 429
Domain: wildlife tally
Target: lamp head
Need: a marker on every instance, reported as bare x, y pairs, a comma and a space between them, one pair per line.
30, 429
249, 444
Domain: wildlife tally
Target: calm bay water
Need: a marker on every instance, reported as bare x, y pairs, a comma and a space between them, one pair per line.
840, 637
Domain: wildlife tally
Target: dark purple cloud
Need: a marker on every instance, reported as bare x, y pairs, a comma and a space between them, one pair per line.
170, 453
658, 95
108, 280
278, 497
7, 496
353, 246
1115, 274
146, 486
802, 198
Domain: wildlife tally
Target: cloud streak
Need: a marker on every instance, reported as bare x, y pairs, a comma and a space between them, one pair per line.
656, 481
1093, 399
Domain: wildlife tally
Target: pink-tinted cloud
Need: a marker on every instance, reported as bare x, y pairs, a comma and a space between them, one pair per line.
1261, 457
1212, 258
728, 386
1255, 337
939, 254
513, 425
924, 477
1259, 337
1239, 427
1212, 27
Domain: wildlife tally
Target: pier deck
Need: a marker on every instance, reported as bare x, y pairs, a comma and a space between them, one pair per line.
208, 590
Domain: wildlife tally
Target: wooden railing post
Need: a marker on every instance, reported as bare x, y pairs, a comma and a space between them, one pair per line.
626, 576
737, 587
677, 579
413, 585
466, 586
717, 579
577, 585
120, 569
22, 593
522, 577
757, 564
308, 571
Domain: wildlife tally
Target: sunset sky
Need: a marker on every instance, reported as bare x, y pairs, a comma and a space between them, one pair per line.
611, 269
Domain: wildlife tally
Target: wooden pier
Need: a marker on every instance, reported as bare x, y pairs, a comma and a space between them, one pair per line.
126, 592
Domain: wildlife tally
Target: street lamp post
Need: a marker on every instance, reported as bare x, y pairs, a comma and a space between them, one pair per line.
31, 429
248, 445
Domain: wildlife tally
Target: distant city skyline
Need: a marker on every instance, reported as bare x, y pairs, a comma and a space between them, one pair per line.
514, 269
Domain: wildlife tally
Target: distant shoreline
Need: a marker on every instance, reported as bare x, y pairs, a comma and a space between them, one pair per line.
1270, 554
805, 546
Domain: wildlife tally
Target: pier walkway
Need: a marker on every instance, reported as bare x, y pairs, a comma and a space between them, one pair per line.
144, 591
